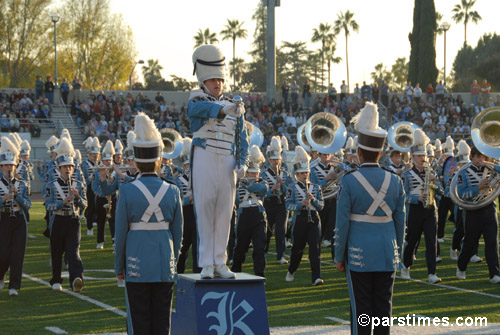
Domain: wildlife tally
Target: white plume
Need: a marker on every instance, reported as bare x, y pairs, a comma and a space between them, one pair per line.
437, 143
8, 146
186, 146
96, 143
51, 141
118, 145
463, 148
65, 148
449, 144
349, 143
145, 129
355, 142
300, 155
255, 155
65, 133
284, 143
430, 149
14, 139
88, 142
25, 145
419, 138
367, 118
130, 138
78, 155
108, 148
275, 144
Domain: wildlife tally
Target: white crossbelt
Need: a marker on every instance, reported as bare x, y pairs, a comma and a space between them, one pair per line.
7, 191
153, 208
303, 194
149, 226
378, 200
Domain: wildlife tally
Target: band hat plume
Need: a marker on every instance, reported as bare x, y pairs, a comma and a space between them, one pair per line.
92, 144
430, 150
78, 156
208, 63
65, 153
370, 136
148, 143
301, 160
65, 133
463, 154
355, 146
186, 150
349, 146
118, 147
448, 146
15, 139
437, 145
420, 141
284, 143
51, 143
8, 152
25, 148
274, 149
129, 151
108, 151
256, 158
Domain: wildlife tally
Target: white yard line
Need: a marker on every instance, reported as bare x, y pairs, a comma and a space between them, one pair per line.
80, 296
56, 330
337, 320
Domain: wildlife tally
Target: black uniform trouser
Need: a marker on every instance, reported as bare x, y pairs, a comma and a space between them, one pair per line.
65, 238
101, 217
371, 294
304, 232
232, 236
481, 221
328, 217
420, 220
251, 226
445, 206
149, 306
277, 217
114, 203
90, 215
189, 238
13, 235
458, 233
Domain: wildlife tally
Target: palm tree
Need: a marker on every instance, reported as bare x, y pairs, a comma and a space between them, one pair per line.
324, 35
330, 57
439, 31
151, 72
463, 12
233, 31
345, 22
205, 37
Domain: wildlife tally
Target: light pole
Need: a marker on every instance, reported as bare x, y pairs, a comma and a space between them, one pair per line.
444, 27
54, 17
131, 72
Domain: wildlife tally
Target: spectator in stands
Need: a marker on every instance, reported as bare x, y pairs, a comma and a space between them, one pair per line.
65, 91
366, 91
4, 124
475, 89
417, 93
45, 113
485, 90
375, 93
14, 123
39, 86
49, 90
408, 90
306, 93
77, 86
285, 88
294, 88
440, 90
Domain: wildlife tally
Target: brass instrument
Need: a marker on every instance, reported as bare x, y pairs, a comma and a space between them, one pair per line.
429, 188
400, 136
255, 134
485, 133
172, 142
247, 181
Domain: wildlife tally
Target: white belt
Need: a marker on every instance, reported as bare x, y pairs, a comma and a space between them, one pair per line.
250, 203
371, 218
149, 226
63, 212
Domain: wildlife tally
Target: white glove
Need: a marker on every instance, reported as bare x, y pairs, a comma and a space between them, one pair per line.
230, 109
240, 110
240, 172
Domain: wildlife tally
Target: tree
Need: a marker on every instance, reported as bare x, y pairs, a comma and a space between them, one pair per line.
233, 30
464, 13
205, 37
181, 84
237, 66
422, 67
330, 57
254, 78
324, 35
399, 74
381, 74
151, 73
346, 22
25, 29
292, 62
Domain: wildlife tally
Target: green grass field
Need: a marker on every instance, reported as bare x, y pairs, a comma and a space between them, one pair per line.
289, 304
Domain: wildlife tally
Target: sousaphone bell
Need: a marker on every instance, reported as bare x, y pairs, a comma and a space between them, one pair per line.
172, 142
325, 133
400, 136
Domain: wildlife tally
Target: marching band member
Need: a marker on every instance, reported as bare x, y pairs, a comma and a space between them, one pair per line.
445, 203
370, 227
78, 173
396, 165
472, 179
13, 227
437, 152
190, 236
305, 200
284, 149
89, 169
351, 153
277, 178
65, 198
46, 171
420, 219
129, 156
220, 148
102, 200
148, 236
251, 223
117, 163
25, 168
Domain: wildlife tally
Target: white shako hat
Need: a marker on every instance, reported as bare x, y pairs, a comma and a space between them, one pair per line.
420, 141
437, 145
448, 147
430, 150
65, 153
93, 145
301, 160
118, 147
274, 149
78, 156
8, 152
463, 152
51, 144
284, 143
129, 151
370, 136
186, 150
255, 159
148, 143
208, 63
108, 151
340, 154
25, 148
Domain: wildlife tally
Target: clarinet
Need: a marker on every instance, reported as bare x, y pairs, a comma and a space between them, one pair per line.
309, 216
238, 101
11, 208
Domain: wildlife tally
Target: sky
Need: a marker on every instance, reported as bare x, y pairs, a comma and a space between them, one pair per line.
164, 30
